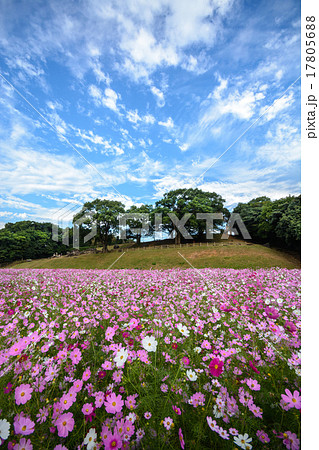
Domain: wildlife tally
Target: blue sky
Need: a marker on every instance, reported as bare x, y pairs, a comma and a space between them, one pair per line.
133, 98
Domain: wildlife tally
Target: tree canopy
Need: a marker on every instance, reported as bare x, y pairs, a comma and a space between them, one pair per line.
190, 201
277, 222
28, 239
104, 214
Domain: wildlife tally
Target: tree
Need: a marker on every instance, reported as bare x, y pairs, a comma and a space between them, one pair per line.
190, 201
28, 239
277, 222
104, 214
136, 224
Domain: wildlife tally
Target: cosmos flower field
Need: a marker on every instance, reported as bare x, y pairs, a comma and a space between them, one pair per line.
194, 359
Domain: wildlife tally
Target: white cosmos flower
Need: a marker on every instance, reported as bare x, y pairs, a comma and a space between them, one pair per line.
243, 441
4, 429
121, 357
90, 439
149, 343
191, 375
183, 329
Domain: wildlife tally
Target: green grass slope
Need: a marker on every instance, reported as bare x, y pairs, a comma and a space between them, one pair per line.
216, 256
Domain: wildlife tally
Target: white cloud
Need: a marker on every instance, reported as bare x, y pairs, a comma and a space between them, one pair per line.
184, 147
133, 116
148, 118
110, 98
159, 96
95, 92
278, 106
235, 192
168, 124
282, 147
94, 138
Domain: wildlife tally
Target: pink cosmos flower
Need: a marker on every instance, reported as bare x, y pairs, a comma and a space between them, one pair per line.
76, 356
77, 385
212, 424
147, 415
140, 433
181, 438
177, 410
129, 428
233, 431
109, 333
130, 402
114, 403
292, 400
24, 444
23, 394
291, 441
65, 424
60, 447
216, 367
255, 410
86, 374
23, 425
168, 422
185, 361
99, 399
113, 441
197, 399
42, 415
66, 402
262, 436
87, 409
120, 426
223, 433
253, 384
206, 345
107, 365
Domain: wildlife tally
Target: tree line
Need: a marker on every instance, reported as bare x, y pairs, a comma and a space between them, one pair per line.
275, 222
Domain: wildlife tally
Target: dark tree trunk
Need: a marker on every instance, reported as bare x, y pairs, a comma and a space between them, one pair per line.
177, 236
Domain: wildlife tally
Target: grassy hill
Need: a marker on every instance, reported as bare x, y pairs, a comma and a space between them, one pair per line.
219, 255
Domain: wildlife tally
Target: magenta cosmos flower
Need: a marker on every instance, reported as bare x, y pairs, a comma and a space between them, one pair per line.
113, 441
23, 394
216, 367
181, 438
290, 326
65, 424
